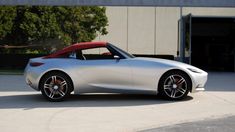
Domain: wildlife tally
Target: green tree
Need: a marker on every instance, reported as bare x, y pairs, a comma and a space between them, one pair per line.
51, 26
7, 16
81, 23
39, 23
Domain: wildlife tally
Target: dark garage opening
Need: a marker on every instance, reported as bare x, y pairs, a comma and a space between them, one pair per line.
213, 43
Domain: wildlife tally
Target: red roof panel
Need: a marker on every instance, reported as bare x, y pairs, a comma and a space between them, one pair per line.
77, 46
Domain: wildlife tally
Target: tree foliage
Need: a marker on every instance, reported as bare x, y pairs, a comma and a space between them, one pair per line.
7, 16
46, 25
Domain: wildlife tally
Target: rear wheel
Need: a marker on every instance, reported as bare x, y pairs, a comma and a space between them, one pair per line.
174, 85
55, 86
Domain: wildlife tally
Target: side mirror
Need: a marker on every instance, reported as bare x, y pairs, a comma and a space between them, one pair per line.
73, 55
116, 57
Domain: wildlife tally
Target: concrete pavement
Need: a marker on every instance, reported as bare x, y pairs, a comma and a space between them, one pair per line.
22, 109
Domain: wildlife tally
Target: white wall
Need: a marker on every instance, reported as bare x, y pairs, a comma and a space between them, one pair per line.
141, 23
167, 30
202, 11
117, 29
151, 30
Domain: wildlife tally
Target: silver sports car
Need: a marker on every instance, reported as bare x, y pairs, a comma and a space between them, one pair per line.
100, 67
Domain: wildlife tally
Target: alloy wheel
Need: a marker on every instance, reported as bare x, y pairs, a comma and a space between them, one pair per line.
175, 86
55, 87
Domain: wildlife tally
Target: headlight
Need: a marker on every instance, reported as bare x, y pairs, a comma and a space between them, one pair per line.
194, 70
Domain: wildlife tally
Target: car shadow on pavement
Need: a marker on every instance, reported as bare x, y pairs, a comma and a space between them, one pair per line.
31, 101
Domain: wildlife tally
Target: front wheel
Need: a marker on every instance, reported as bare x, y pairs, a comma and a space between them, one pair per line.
174, 85
55, 86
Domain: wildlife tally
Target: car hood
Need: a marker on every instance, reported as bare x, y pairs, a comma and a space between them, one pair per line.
170, 63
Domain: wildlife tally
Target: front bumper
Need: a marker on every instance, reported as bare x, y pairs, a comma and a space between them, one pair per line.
199, 81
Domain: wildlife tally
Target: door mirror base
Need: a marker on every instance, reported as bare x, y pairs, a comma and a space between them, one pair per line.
116, 57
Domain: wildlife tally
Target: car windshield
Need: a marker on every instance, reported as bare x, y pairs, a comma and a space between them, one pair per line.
122, 51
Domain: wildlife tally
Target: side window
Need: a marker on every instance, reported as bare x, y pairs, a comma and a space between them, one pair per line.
97, 53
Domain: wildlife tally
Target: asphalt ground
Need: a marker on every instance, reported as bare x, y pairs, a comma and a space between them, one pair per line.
23, 109
226, 124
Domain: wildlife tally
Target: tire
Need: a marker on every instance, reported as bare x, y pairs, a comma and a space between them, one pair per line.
55, 86
174, 85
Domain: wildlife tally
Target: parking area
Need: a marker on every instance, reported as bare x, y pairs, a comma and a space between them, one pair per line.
23, 109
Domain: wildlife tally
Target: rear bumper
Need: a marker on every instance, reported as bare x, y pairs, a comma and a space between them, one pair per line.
31, 84
31, 78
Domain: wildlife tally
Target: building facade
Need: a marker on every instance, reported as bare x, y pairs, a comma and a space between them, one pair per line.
193, 33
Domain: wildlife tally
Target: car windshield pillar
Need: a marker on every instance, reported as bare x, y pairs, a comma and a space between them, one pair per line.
123, 54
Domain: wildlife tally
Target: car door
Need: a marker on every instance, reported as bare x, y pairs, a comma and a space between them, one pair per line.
104, 75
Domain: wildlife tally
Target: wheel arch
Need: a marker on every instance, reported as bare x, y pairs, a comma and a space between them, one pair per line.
60, 71
178, 70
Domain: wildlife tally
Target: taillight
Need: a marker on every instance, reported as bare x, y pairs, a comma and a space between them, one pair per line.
34, 64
